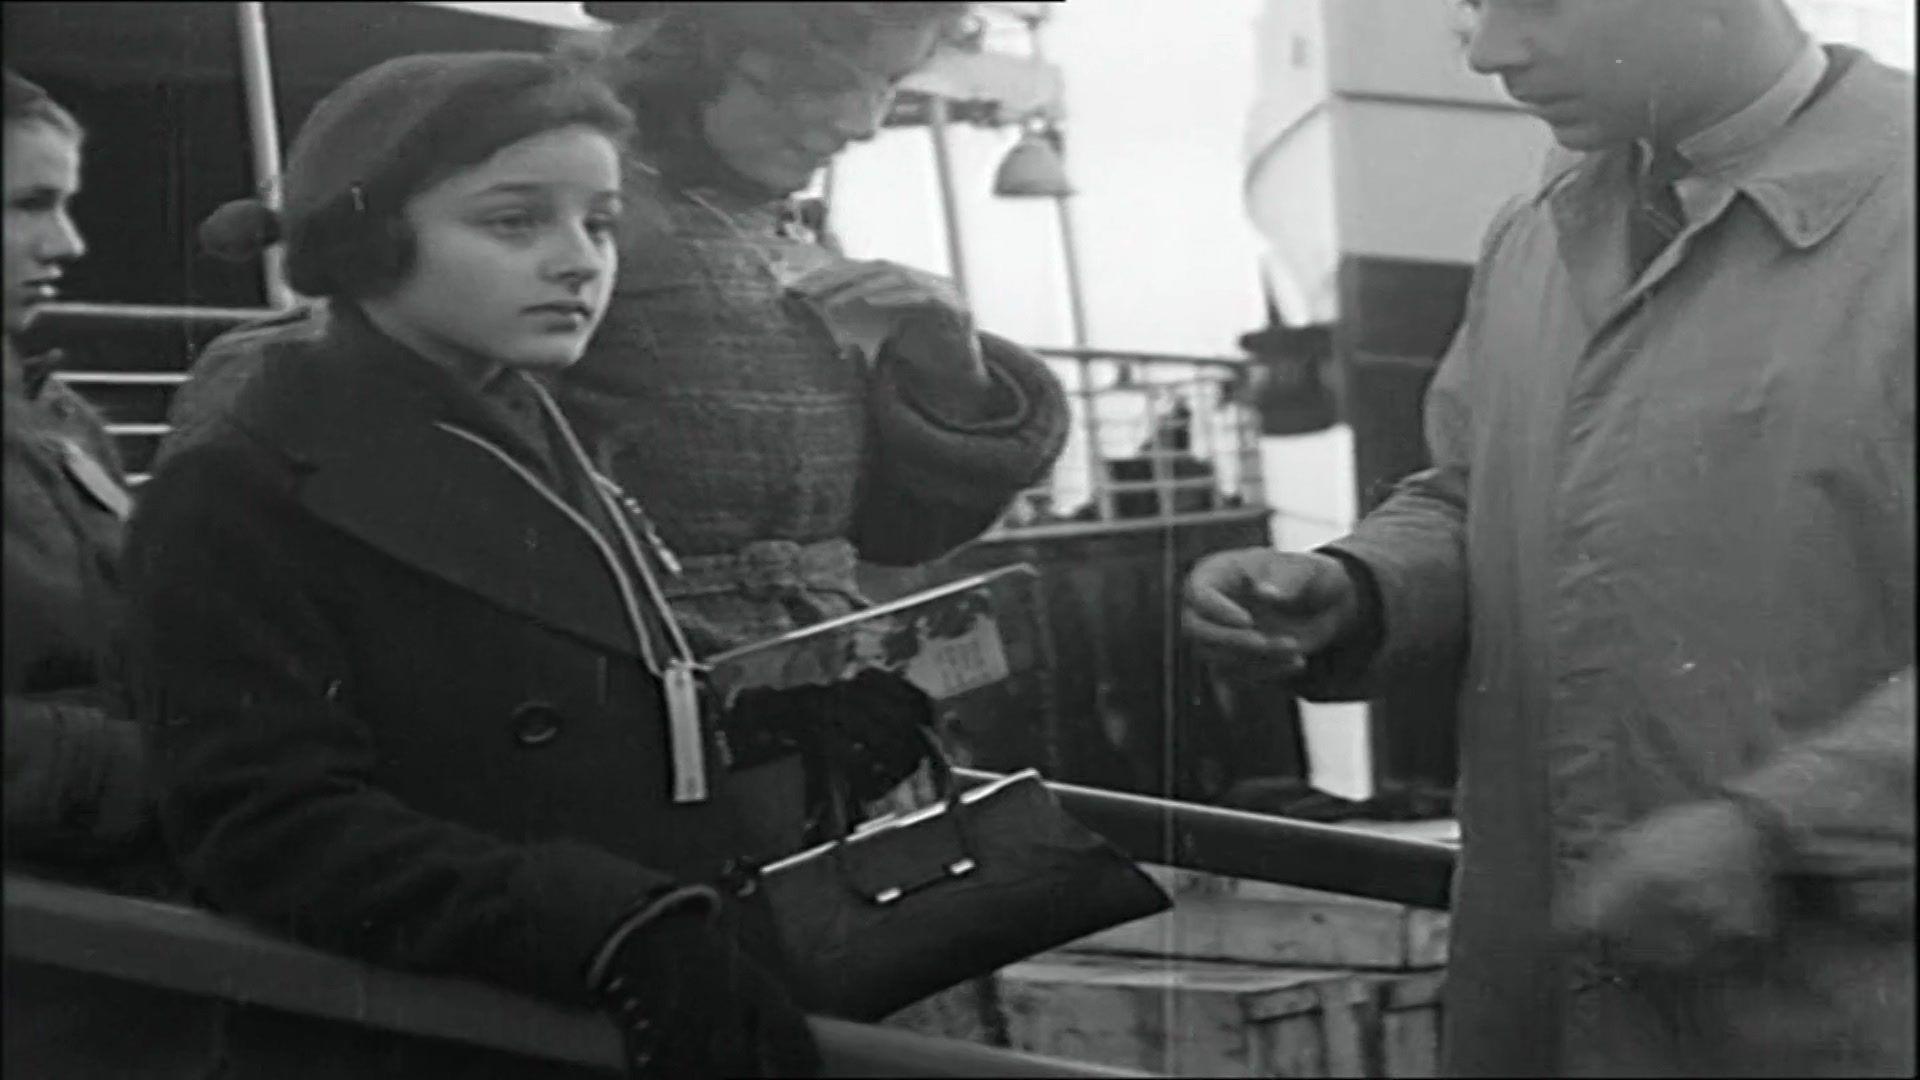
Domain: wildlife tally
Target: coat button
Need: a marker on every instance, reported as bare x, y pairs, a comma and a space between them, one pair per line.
536, 723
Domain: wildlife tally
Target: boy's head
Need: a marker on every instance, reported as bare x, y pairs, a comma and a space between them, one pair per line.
462, 200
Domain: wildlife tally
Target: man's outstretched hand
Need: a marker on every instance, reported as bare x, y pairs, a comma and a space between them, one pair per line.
1260, 612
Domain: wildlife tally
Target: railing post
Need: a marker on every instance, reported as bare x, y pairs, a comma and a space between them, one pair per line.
263, 132
949, 202
1097, 485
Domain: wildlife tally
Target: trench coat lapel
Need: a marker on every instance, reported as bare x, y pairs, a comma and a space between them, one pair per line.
362, 418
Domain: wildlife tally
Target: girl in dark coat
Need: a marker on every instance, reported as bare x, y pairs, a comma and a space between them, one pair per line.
77, 804
399, 640
73, 789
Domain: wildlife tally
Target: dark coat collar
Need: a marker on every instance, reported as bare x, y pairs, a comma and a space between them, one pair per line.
359, 418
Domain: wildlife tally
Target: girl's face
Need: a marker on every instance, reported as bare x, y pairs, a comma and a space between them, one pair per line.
42, 177
513, 258
778, 121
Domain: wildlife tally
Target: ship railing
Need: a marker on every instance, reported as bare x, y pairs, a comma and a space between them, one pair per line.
194, 952
1155, 437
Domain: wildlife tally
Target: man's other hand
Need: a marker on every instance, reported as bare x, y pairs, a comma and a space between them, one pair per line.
1689, 886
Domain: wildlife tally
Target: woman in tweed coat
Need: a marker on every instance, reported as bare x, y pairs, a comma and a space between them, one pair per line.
770, 454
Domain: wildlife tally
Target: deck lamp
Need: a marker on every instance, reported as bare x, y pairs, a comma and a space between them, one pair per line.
1033, 169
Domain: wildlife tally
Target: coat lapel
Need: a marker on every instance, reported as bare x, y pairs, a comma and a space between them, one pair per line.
449, 509
362, 418
1590, 222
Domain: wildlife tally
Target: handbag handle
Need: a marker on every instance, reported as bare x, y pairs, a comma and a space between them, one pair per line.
948, 806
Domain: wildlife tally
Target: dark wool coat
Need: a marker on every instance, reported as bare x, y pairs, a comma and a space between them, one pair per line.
77, 806
400, 713
72, 772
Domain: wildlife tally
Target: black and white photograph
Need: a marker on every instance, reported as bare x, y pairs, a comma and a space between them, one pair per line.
927, 538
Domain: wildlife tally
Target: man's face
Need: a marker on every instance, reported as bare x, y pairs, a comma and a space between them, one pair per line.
1599, 72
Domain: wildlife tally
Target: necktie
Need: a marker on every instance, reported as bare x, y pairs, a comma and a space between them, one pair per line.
1656, 217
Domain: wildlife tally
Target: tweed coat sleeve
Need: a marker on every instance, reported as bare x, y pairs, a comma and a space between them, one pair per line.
935, 483
265, 775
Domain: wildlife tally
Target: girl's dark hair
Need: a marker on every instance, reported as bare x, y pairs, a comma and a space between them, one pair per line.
668, 60
29, 103
386, 135
358, 243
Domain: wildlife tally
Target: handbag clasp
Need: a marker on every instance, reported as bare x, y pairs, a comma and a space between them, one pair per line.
958, 868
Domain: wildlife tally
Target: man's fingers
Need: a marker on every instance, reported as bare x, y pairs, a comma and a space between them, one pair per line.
1242, 650
1248, 642
1291, 598
1212, 604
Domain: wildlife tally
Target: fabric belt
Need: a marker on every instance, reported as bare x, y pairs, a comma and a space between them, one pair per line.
769, 570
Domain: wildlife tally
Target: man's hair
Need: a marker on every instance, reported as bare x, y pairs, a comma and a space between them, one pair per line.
29, 103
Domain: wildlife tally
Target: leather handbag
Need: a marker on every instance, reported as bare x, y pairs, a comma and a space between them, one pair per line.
912, 904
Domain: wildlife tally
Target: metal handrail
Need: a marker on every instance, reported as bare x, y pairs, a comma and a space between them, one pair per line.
1124, 356
1230, 443
197, 952
73, 311
121, 378
1048, 530
1259, 847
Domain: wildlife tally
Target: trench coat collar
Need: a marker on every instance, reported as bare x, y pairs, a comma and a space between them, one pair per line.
362, 420
1805, 181
1828, 158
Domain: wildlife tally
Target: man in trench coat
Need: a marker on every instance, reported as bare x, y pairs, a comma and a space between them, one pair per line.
1668, 542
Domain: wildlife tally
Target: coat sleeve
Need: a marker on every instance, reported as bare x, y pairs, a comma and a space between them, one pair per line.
1413, 545
1840, 803
75, 780
266, 779
935, 483
223, 368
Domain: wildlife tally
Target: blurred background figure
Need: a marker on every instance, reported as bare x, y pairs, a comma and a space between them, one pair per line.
77, 804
